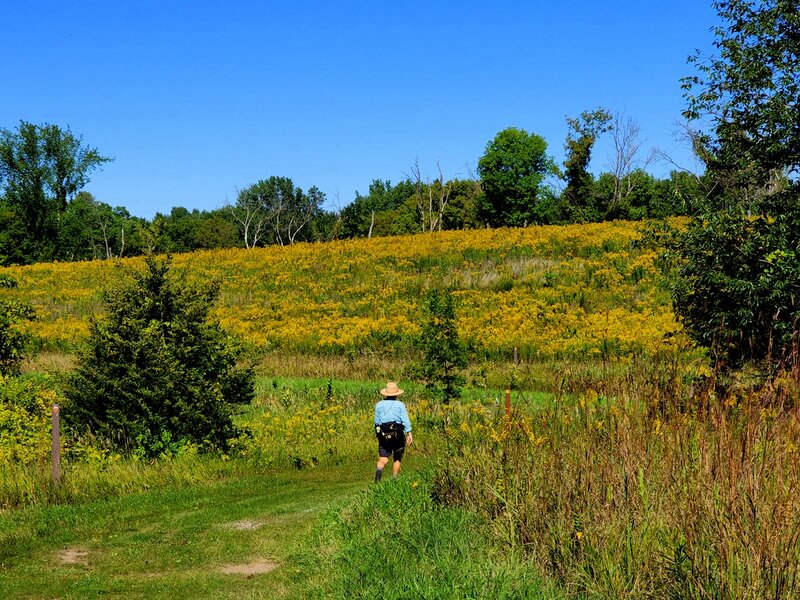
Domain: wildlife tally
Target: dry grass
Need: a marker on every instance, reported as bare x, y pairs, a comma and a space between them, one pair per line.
643, 490
49, 362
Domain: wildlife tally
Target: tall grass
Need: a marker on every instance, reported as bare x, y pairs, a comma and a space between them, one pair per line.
32, 484
644, 488
393, 542
293, 423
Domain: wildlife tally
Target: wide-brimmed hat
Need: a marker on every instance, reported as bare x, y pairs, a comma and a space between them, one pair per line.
391, 389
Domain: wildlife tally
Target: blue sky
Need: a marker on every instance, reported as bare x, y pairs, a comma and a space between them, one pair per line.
195, 100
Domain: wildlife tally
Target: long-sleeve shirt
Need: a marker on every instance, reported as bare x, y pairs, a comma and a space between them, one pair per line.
387, 411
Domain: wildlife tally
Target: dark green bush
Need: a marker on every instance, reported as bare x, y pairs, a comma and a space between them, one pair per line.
445, 355
158, 372
738, 289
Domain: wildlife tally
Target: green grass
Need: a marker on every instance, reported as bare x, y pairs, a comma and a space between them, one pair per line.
172, 543
393, 542
167, 529
329, 533
290, 392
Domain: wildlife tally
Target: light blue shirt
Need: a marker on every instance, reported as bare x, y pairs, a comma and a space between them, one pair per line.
387, 411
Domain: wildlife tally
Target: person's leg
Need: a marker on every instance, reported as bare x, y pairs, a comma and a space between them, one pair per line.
397, 456
379, 467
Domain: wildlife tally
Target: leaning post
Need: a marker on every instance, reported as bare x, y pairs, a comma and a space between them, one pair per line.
56, 445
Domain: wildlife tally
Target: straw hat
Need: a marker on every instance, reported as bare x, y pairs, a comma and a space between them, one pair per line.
391, 390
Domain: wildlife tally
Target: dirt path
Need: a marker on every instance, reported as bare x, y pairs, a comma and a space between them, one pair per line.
223, 540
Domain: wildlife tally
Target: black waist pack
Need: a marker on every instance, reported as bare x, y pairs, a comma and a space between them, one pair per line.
390, 431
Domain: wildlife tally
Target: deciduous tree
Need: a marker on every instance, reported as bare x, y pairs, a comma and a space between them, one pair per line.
578, 194
512, 171
745, 97
738, 289
41, 169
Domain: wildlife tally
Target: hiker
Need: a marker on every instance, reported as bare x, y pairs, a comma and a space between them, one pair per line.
393, 429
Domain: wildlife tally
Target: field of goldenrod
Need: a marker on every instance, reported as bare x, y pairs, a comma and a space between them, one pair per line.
550, 291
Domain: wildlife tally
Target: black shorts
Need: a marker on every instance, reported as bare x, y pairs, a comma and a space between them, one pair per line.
391, 444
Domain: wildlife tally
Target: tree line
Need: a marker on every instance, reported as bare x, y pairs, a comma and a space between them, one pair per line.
45, 213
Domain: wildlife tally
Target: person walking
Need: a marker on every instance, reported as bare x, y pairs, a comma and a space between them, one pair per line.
393, 429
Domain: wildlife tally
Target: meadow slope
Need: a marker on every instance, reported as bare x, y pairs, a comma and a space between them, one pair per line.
556, 291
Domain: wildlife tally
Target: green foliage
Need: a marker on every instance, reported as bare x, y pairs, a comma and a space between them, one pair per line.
463, 206
158, 372
739, 279
394, 542
90, 230
185, 231
445, 356
13, 236
748, 93
579, 195
512, 170
371, 214
41, 168
12, 340
738, 289
25, 409
275, 211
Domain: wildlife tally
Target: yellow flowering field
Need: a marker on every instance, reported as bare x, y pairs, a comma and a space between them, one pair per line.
550, 291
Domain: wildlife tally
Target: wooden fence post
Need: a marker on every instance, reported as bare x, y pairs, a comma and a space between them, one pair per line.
56, 445
508, 403
516, 356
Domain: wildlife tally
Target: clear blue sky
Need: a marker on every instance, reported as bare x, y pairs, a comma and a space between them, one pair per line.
195, 100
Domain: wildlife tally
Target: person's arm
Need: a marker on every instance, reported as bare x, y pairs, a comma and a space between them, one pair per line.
376, 420
406, 424
404, 417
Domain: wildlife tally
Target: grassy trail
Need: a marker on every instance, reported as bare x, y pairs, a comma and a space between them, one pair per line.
173, 543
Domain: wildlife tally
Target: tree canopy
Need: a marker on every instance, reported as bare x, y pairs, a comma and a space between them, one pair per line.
41, 168
512, 170
738, 289
579, 199
746, 96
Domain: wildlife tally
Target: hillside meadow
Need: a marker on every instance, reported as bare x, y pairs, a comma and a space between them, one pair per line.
585, 292
622, 470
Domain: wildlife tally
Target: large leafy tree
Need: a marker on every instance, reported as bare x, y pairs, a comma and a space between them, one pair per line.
375, 212
89, 229
41, 168
739, 284
745, 97
158, 370
579, 197
512, 170
276, 211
